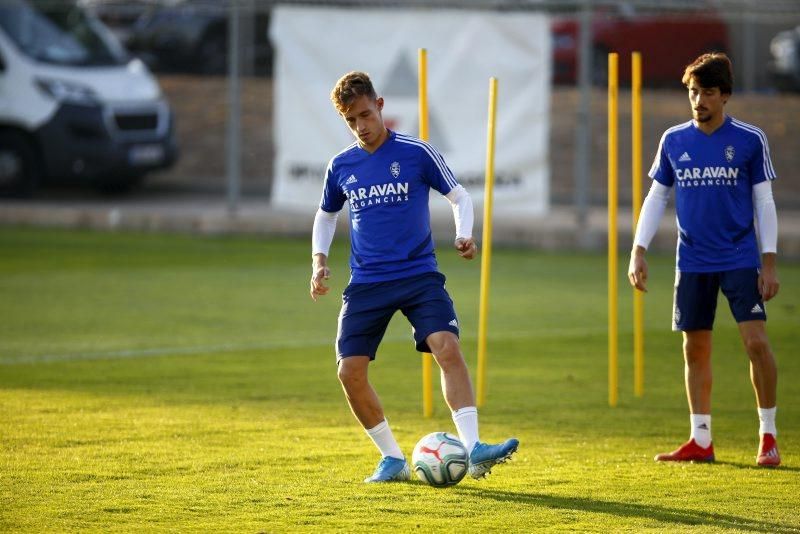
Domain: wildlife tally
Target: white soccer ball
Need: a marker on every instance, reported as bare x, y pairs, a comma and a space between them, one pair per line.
440, 459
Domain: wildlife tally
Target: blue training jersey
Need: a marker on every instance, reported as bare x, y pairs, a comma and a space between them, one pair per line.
387, 192
714, 177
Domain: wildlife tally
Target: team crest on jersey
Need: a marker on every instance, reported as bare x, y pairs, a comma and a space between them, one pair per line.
394, 168
729, 153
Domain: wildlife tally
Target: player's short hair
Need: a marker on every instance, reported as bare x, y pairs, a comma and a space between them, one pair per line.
349, 87
711, 70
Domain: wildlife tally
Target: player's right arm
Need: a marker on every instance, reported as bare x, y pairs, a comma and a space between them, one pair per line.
649, 218
333, 199
321, 239
652, 210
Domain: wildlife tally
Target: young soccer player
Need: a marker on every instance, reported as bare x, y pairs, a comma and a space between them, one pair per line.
385, 178
721, 171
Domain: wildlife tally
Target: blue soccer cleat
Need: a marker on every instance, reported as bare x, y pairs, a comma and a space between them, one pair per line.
390, 469
484, 456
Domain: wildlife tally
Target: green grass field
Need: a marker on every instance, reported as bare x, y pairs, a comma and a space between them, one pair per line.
174, 383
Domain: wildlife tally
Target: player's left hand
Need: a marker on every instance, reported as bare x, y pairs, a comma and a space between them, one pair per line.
768, 283
466, 247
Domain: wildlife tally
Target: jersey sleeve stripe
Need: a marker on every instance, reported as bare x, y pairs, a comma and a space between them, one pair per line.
769, 170
346, 149
657, 160
434, 155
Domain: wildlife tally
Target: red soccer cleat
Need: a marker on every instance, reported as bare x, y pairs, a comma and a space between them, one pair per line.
688, 452
768, 452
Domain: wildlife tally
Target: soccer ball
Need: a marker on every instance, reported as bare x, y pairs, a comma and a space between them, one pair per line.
440, 459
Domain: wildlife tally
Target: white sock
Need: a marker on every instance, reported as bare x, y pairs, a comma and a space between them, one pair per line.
383, 438
766, 420
701, 429
466, 420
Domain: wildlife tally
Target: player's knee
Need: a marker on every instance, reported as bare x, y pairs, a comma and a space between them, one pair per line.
757, 347
350, 375
696, 352
448, 351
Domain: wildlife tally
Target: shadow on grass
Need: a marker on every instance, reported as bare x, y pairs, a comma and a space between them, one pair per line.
646, 511
754, 467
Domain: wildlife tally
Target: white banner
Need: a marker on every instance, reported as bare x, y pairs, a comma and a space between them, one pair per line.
315, 46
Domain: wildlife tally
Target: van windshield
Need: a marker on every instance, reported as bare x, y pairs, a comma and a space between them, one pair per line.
59, 33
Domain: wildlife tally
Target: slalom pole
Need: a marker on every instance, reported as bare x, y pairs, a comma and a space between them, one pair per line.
427, 357
636, 198
613, 303
486, 256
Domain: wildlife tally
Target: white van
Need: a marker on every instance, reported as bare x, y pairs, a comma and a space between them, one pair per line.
74, 106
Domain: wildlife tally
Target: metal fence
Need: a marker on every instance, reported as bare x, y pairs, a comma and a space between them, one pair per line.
224, 153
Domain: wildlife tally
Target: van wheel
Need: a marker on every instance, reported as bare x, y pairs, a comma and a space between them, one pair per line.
19, 174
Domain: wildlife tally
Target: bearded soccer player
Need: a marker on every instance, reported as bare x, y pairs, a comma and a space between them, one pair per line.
721, 171
385, 177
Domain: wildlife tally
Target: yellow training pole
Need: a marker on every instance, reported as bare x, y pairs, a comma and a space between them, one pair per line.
613, 371
486, 257
423, 94
636, 198
427, 358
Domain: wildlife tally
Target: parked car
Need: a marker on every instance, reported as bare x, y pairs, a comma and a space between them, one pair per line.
192, 36
668, 41
119, 16
784, 67
75, 107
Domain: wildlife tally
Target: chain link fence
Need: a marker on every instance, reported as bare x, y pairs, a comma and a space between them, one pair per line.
186, 43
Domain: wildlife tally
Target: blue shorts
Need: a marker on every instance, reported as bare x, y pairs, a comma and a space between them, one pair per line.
695, 298
367, 309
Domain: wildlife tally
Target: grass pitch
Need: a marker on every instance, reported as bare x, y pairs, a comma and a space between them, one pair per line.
172, 383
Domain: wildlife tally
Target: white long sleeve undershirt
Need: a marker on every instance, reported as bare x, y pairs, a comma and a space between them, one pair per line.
650, 216
322, 233
325, 222
462, 211
766, 217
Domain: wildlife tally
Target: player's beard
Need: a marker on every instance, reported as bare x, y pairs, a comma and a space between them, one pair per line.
702, 118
